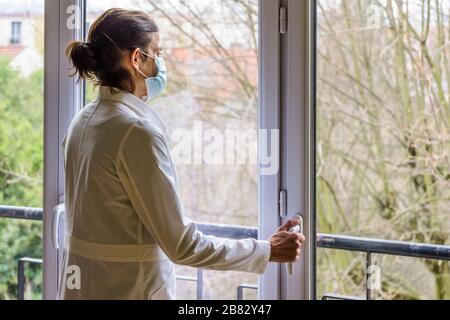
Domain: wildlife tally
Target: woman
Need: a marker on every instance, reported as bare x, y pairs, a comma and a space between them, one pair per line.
125, 226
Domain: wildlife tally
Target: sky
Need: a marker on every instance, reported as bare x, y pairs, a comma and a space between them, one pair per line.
37, 6
14, 6
10, 6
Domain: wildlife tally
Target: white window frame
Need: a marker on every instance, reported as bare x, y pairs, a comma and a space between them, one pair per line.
269, 119
62, 98
296, 120
277, 110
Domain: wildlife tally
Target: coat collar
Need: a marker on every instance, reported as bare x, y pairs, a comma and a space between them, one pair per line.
135, 104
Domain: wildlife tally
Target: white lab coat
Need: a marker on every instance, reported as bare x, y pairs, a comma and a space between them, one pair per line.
125, 226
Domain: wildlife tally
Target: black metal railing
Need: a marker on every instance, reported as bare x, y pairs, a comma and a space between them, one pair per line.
371, 246
21, 213
21, 274
368, 246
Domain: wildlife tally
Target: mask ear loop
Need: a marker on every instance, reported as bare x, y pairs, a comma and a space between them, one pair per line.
147, 55
143, 74
113, 42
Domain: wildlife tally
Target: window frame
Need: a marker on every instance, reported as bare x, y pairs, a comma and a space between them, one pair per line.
298, 140
269, 118
64, 96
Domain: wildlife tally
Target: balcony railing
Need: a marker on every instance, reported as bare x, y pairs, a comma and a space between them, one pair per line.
358, 244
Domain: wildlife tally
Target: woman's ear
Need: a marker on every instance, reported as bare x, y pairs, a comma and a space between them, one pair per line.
134, 61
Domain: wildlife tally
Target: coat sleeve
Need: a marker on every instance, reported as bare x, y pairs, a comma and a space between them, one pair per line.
144, 168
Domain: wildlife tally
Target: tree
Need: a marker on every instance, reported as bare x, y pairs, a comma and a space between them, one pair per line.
21, 173
384, 136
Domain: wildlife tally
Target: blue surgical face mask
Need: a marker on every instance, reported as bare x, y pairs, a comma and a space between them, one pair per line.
155, 85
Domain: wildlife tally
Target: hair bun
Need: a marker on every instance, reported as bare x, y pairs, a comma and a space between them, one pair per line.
82, 57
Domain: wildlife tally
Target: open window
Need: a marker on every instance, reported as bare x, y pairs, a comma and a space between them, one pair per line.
211, 108
240, 75
218, 100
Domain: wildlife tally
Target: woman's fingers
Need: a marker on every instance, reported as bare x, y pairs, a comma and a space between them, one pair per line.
289, 224
286, 246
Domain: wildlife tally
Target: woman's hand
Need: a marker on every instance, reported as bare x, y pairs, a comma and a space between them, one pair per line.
285, 245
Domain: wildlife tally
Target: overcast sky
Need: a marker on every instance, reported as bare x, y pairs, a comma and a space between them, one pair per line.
37, 6
14, 6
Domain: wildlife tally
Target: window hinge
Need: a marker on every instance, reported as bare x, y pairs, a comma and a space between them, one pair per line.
283, 20
282, 204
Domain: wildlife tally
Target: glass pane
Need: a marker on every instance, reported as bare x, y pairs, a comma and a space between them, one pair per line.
383, 130
210, 106
21, 139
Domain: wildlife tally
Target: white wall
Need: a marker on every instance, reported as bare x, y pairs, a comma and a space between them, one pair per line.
27, 33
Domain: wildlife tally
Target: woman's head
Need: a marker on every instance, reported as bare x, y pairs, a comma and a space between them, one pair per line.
120, 44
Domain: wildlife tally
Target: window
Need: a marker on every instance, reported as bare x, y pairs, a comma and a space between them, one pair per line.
383, 141
223, 51
16, 32
211, 108
222, 90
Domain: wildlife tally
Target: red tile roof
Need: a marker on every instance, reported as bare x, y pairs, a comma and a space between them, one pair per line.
10, 51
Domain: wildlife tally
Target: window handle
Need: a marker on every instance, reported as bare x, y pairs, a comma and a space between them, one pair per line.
297, 229
56, 214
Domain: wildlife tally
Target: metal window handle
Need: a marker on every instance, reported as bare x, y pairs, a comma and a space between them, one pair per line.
297, 229
56, 214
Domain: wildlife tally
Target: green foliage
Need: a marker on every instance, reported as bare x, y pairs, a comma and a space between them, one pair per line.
21, 173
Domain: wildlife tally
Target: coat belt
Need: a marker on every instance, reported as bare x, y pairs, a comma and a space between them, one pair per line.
114, 252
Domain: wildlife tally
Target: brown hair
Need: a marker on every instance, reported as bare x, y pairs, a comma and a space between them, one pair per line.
115, 31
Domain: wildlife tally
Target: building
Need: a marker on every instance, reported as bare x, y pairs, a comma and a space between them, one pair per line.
19, 36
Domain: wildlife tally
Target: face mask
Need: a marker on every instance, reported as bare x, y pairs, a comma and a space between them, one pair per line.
155, 85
